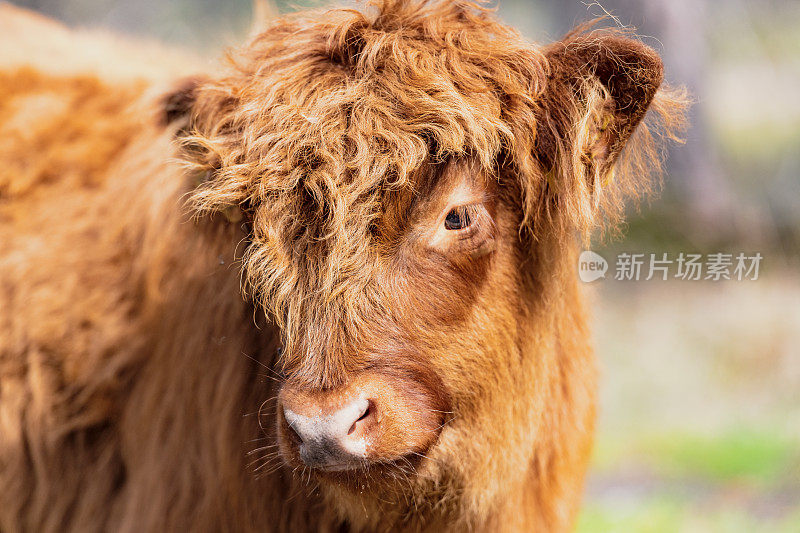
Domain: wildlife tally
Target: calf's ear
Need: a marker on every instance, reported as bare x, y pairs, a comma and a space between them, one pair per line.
176, 106
599, 87
202, 112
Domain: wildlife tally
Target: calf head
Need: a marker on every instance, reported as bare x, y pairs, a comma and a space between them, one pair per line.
413, 179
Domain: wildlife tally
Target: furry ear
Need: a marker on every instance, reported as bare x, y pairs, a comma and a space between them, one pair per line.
195, 106
600, 85
177, 104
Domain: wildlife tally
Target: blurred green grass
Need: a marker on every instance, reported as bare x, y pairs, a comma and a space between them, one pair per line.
741, 456
700, 407
664, 515
744, 480
760, 459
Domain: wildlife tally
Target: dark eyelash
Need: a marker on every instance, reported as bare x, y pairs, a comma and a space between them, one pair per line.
459, 218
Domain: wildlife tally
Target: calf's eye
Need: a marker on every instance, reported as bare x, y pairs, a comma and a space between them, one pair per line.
457, 218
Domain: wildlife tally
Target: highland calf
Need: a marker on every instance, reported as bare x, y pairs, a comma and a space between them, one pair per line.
400, 191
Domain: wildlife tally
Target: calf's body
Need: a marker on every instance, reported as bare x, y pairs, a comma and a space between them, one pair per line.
141, 391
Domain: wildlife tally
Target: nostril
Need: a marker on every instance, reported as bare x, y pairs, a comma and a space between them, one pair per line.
364, 415
292, 432
294, 435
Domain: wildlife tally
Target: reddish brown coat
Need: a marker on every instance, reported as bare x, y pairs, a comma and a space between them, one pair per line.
138, 386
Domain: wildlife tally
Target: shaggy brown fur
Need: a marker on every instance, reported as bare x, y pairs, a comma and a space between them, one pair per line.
138, 387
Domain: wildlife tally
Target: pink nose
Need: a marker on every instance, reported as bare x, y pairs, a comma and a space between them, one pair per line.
375, 418
333, 438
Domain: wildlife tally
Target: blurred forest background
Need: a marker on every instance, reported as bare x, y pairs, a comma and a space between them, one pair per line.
700, 394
